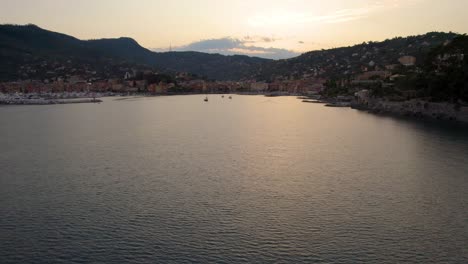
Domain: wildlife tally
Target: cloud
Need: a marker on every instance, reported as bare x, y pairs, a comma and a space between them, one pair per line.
259, 39
345, 15
213, 45
234, 46
299, 18
339, 16
267, 39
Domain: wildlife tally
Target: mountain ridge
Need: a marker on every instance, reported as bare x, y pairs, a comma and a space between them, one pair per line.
30, 44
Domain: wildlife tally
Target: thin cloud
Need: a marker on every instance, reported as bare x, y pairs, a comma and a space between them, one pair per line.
345, 15
259, 39
267, 39
213, 44
339, 16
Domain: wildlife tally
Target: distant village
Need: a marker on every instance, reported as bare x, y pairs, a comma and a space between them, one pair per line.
129, 83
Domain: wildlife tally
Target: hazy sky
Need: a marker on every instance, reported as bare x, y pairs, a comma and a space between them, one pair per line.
270, 28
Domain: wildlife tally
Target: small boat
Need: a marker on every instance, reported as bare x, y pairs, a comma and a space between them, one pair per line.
206, 99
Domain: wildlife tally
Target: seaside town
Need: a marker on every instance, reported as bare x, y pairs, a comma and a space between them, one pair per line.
133, 81
148, 83
407, 76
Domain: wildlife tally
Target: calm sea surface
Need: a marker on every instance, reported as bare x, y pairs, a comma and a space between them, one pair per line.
248, 180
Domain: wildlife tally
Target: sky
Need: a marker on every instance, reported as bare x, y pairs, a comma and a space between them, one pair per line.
275, 29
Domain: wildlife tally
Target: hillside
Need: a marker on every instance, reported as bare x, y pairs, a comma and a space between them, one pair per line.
31, 52
348, 61
213, 66
445, 75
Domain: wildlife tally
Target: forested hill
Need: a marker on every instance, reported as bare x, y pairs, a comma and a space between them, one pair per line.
349, 61
32, 52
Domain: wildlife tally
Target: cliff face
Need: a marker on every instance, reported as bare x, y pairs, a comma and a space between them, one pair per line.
418, 108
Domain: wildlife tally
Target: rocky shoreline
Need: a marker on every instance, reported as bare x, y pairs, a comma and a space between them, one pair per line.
416, 108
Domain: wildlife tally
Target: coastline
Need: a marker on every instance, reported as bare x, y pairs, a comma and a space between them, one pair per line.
416, 109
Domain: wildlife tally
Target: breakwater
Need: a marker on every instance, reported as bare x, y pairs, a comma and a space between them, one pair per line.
42, 101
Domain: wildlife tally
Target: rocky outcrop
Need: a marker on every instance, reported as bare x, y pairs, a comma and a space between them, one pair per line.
417, 108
